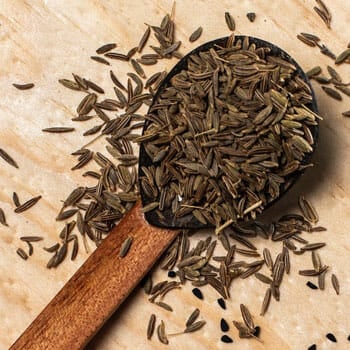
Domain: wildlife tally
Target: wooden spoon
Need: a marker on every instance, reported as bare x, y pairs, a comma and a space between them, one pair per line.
104, 281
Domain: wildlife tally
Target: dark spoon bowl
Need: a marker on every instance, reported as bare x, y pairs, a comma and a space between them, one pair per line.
189, 221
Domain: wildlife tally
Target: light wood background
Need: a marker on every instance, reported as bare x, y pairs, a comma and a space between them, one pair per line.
43, 41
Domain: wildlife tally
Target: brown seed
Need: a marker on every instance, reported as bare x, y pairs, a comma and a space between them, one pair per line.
94, 86
335, 283
58, 129
28, 204
321, 280
312, 272
105, 48
313, 246
342, 56
124, 249
22, 253
230, 22
266, 302
314, 71
4, 155
247, 317
194, 327
116, 81
308, 210
196, 34
86, 104
31, 238
23, 86
53, 248
16, 199
100, 60
117, 56
163, 305
192, 318
69, 84
144, 39
3, 218
161, 333
138, 69
151, 326
306, 40
346, 114
63, 215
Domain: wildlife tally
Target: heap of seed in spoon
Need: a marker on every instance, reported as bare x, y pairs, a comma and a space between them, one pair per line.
226, 135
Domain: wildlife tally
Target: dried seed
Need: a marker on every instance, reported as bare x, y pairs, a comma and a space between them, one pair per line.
28, 204
312, 272
346, 114
117, 56
226, 339
194, 315
307, 210
31, 238
70, 84
313, 246
194, 327
22, 253
197, 293
23, 86
86, 104
105, 48
247, 317
163, 305
124, 249
144, 39
5, 156
311, 285
58, 129
151, 326
100, 60
94, 87
230, 22
321, 280
3, 218
266, 301
196, 34
331, 337
224, 325
161, 333
342, 56
53, 248
15, 199
138, 69
314, 71
335, 283
222, 303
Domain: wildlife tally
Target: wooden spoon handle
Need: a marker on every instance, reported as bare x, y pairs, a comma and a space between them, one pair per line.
98, 288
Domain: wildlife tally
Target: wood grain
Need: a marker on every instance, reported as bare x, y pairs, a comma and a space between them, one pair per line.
98, 288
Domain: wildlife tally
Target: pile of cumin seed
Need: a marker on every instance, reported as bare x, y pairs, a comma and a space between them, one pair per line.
97, 209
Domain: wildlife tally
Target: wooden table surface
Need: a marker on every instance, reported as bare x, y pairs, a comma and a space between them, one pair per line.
43, 41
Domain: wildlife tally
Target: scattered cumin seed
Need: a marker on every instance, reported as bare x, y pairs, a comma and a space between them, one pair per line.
196, 34
28, 204
100, 60
124, 249
105, 48
230, 22
151, 326
7, 158
22, 253
58, 129
3, 218
335, 283
23, 86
